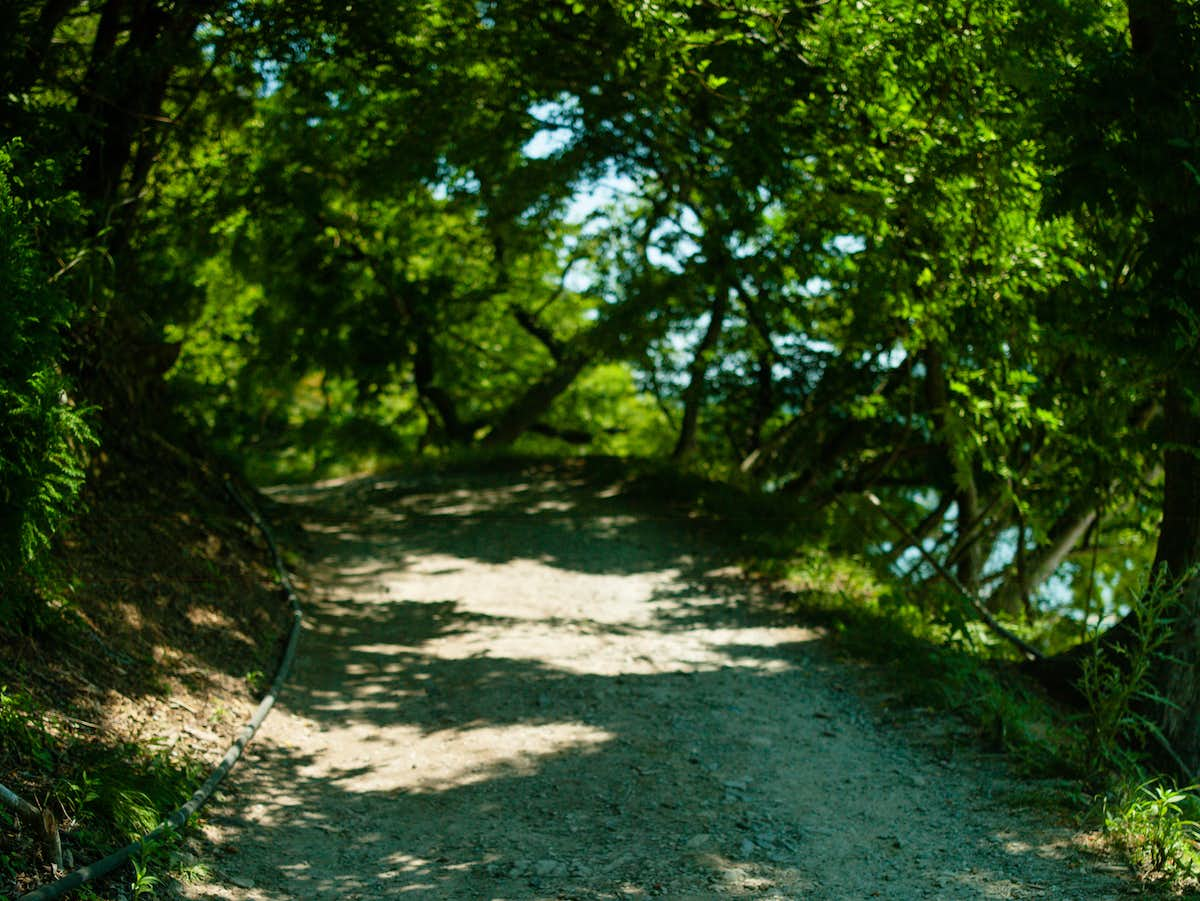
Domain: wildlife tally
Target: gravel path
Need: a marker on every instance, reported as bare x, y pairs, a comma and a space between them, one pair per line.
514, 687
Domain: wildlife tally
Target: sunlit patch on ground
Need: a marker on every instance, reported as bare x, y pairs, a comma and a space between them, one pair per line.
406, 761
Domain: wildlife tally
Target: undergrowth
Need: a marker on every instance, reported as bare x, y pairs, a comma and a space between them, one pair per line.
157, 619
1155, 825
104, 793
1148, 817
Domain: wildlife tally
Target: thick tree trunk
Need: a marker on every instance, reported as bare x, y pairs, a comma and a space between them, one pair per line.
693, 395
1166, 39
970, 564
137, 47
1178, 554
105, 110
121, 97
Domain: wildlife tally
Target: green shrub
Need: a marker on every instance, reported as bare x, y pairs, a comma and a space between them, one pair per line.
1116, 679
23, 739
1151, 823
42, 433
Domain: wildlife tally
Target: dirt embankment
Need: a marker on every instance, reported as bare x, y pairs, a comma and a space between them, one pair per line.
516, 687
160, 628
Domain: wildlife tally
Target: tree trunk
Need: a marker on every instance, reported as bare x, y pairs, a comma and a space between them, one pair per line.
41, 820
966, 491
693, 395
41, 36
825, 452
1178, 554
1166, 38
970, 564
105, 111
838, 380
121, 98
1164, 43
527, 409
764, 405
575, 356
455, 429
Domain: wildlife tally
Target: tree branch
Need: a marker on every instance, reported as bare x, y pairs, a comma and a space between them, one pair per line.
41, 820
528, 321
1016, 641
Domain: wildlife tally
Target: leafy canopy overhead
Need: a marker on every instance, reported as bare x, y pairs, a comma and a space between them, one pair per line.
939, 250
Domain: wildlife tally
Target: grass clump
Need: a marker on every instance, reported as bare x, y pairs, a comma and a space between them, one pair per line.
23, 730
1145, 815
104, 793
1115, 681
118, 792
1155, 825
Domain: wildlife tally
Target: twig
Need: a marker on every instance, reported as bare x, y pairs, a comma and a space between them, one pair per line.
42, 820
78, 722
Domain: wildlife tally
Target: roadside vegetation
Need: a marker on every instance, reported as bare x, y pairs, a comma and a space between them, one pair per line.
903, 294
156, 621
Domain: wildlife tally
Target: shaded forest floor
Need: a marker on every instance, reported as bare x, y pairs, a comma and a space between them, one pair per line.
161, 629
530, 685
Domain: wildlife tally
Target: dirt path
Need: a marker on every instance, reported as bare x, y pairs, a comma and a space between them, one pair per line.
513, 687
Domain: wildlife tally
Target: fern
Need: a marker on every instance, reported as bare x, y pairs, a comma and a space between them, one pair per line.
43, 435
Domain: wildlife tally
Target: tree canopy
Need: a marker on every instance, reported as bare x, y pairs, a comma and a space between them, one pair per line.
945, 252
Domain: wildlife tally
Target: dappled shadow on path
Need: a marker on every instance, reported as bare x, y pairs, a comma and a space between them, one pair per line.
565, 791
516, 689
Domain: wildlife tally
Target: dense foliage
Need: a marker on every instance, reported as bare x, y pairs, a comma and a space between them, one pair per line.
42, 433
945, 252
